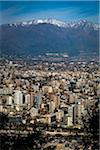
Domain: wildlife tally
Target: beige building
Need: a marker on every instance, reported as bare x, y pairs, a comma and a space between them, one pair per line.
60, 115
60, 146
49, 118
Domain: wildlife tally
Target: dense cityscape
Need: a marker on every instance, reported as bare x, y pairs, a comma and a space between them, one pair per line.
49, 102
49, 75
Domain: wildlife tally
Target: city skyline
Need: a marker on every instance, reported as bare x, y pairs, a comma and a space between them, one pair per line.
16, 11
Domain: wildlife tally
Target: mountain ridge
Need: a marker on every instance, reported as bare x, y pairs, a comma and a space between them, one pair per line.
59, 23
48, 36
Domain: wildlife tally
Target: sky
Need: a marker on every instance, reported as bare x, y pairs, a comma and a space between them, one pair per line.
16, 11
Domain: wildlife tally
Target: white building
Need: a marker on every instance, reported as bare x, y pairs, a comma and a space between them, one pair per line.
33, 112
52, 106
69, 121
60, 115
18, 98
27, 99
9, 100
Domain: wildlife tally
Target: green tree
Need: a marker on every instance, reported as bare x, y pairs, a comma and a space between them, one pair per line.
91, 126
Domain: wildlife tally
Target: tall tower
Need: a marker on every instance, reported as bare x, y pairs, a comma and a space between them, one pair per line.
18, 98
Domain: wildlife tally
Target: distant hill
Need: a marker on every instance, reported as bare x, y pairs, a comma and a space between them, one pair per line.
49, 35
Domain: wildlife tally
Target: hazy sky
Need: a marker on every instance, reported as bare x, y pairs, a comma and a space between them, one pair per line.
16, 11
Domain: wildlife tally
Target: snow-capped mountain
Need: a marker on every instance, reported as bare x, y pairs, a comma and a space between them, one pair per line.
41, 21
49, 35
81, 23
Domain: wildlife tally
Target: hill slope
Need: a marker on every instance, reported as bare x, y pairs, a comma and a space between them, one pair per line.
38, 37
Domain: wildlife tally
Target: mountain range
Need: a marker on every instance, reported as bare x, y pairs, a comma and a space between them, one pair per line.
49, 35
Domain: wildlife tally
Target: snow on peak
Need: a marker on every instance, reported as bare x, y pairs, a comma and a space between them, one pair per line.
49, 21
78, 24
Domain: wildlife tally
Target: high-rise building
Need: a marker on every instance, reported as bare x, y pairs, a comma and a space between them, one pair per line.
56, 99
52, 106
59, 115
32, 98
18, 98
80, 111
26, 100
9, 100
38, 99
69, 120
73, 112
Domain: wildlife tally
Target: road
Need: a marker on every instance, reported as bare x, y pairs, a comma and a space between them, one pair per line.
62, 133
